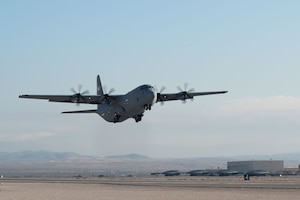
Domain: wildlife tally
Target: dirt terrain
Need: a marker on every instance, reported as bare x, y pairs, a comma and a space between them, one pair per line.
151, 188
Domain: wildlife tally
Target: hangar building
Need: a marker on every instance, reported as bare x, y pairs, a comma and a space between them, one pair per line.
271, 166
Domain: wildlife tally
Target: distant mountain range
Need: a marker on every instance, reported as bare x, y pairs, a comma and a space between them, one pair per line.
49, 155
46, 163
36, 156
129, 156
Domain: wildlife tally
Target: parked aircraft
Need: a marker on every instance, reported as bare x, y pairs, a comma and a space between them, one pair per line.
171, 173
223, 172
199, 173
117, 108
258, 173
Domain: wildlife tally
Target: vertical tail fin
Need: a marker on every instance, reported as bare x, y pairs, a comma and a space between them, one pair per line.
99, 87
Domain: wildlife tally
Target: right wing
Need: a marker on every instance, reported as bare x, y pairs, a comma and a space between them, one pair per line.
93, 99
76, 98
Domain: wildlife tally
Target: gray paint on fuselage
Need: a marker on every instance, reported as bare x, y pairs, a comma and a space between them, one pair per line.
129, 105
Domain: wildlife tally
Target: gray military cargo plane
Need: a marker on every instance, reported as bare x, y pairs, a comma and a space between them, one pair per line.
118, 108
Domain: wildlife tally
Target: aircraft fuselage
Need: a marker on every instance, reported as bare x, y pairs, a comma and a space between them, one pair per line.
131, 105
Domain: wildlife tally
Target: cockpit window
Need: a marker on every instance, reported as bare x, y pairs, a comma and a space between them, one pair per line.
143, 87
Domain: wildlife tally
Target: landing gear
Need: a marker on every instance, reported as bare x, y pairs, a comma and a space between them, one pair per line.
138, 117
116, 118
147, 107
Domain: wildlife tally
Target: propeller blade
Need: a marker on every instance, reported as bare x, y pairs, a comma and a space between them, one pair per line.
179, 88
85, 92
159, 92
191, 90
185, 86
162, 89
111, 90
79, 88
73, 90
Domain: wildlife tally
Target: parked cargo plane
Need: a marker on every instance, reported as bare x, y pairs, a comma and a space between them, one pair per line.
118, 108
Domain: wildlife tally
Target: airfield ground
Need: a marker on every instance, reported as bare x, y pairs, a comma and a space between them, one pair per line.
131, 188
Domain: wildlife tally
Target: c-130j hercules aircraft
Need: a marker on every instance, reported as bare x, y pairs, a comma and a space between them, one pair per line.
118, 108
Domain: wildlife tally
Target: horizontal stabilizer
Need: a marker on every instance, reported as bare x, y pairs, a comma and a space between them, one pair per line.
80, 111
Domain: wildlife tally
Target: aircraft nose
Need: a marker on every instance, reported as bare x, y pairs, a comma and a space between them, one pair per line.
152, 94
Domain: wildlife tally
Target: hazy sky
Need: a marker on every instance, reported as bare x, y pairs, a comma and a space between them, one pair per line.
250, 48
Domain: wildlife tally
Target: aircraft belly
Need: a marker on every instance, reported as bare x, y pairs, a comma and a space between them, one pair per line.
109, 112
132, 105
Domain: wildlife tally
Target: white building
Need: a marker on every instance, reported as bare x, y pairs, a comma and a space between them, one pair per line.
271, 166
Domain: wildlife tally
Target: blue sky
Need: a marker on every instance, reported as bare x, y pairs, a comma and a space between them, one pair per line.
249, 48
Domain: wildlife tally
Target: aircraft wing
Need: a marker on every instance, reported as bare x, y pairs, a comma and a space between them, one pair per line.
80, 111
76, 98
184, 95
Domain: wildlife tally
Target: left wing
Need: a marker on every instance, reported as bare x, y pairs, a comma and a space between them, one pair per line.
76, 98
184, 95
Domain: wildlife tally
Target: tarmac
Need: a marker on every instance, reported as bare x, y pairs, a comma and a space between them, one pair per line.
181, 187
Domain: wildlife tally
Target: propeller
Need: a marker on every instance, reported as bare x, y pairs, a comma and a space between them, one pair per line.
185, 93
109, 92
159, 92
78, 95
106, 94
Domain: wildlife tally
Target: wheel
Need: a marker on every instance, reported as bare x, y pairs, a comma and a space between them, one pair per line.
116, 118
138, 118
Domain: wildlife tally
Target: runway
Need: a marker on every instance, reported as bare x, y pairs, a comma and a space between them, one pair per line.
184, 187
